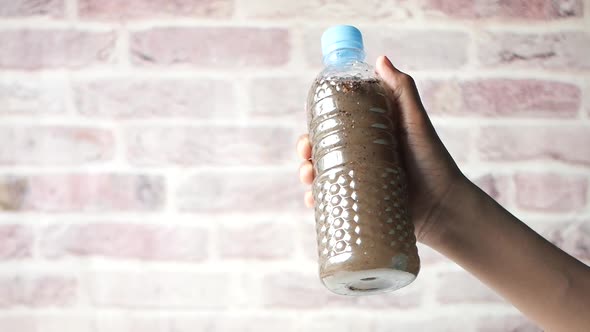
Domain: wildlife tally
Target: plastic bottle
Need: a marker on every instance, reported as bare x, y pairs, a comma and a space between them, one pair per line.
365, 237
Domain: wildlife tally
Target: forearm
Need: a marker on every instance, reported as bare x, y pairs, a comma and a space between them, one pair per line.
546, 284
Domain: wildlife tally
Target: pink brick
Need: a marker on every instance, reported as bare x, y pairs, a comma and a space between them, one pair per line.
20, 323
550, 192
325, 11
36, 49
190, 321
267, 240
278, 97
205, 146
308, 240
82, 193
246, 191
230, 47
265, 322
198, 98
497, 186
37, 291
139, 9
519, 9
441, 97
130, 321
55, 145
501, 97
21, 8
457, 140
125, 241
42, 95
447, 323
515, 323
521, 97
564, 143
159, 289
412, 50
563, 50
295, 290
16, 242
572, 237
461, 287
408, 49
47, 322
341, 322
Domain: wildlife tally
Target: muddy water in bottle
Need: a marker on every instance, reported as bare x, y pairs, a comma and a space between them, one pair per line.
365, 237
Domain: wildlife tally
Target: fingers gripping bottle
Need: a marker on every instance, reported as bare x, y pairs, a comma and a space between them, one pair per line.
366, 241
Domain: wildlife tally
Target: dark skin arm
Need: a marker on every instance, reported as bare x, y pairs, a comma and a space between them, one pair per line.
456, 218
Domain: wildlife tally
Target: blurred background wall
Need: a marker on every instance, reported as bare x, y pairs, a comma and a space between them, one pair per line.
148, 178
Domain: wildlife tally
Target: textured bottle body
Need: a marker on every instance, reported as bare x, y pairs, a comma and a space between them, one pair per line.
360, 188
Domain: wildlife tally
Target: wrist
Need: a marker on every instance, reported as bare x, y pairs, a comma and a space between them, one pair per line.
461, 200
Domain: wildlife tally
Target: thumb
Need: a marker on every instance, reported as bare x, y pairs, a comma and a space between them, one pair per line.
403, 86
405, 96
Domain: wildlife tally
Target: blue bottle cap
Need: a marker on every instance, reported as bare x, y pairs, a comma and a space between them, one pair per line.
341, 36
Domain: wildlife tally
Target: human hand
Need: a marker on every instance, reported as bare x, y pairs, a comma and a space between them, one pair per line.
434, 180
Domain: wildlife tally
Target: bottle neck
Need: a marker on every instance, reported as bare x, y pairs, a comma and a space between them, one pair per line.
343, 56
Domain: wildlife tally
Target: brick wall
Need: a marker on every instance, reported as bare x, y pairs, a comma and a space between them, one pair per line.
147, 167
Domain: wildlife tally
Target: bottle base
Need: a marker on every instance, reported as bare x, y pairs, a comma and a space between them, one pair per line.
367, 282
